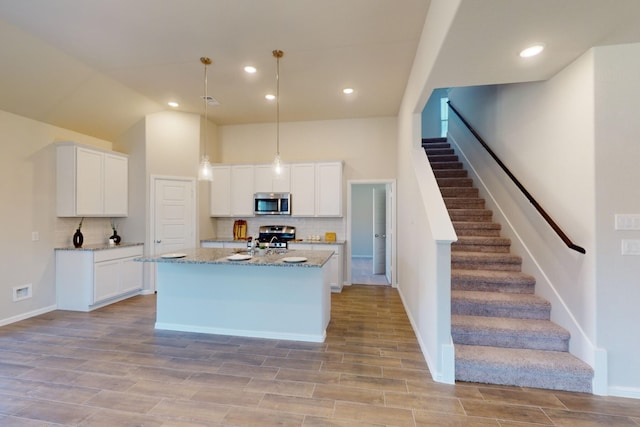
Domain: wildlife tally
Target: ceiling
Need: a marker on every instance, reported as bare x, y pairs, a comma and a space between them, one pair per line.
99, 66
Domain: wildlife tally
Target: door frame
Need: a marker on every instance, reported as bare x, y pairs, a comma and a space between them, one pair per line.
390, 186
153, 179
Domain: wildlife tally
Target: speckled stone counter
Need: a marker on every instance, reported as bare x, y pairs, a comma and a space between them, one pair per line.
315, 259
263, 296
99, 247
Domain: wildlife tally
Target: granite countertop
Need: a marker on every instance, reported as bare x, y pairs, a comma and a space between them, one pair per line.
304, 242
99, 247
315, 259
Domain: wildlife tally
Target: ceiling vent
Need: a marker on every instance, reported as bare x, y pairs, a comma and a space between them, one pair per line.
210, 100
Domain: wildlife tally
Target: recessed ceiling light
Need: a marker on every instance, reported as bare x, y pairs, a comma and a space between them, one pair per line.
532, 51
270, 96
250, 69
347, 91
173, 104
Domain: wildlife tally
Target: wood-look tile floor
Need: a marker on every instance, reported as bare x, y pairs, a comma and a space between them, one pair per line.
111, 368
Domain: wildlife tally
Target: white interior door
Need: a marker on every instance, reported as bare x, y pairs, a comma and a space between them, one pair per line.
174, 215
389, 231
379, 231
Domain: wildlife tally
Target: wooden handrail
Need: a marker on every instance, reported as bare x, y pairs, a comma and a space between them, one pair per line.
521, 187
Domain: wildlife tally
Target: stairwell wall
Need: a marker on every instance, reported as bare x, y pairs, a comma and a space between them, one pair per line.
559, 137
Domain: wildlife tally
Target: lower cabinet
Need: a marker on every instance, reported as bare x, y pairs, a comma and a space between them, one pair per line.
336, 263
89, 279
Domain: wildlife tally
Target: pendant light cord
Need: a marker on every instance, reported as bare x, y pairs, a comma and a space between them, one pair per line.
278, 54
206, 61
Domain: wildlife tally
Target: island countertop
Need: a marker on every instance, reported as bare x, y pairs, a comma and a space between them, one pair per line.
314, 259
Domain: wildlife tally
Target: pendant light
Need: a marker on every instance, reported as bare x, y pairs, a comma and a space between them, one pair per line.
277, 164
205, 172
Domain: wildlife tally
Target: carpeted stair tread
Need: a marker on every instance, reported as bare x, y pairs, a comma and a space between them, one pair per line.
464, 203
450, 173
477, 228
500, 304
437, 158
482, 244
492, 281
556, 370
509, 332
438, 151
458, 191
480, 215
485, 260
446, 165
454, 182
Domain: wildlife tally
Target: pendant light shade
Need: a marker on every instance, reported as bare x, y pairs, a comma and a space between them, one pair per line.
277, 162
205, 172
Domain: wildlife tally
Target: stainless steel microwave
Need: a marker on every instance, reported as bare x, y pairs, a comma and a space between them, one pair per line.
272, 203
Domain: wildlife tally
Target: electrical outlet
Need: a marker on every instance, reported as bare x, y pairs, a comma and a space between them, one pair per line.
35, 236
627, 222
22, 292
631, 247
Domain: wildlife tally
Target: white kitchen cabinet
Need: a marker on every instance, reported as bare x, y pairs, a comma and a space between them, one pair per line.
329, 189
221, 191
91, 182
336, 263
89, 279
316, 189
232, 191
242, 190
266, 181
303, 188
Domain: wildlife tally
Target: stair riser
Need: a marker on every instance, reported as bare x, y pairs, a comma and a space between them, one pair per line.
470, 216
454, 182
443, 158
463, 203
507, 340
553, 380
438, 152
446, 165
450, 173
487, 310
465, 232
458, 192
511, 287
430, 145
492, 266
493, 249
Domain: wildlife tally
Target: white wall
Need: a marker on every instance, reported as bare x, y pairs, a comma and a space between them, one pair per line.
431, 122
617, 153
28, 194
424, 232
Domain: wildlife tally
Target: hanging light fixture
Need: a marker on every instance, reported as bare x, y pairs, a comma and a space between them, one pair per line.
205, 172
277, 163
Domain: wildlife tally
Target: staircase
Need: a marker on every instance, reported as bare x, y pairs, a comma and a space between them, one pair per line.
500, 328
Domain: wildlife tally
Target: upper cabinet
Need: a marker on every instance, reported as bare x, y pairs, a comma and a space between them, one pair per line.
316, 188
91, 182
266, 181
232, 190
329, 189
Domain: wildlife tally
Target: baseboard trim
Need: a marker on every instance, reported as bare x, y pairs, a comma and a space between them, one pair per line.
27, 315
629, 392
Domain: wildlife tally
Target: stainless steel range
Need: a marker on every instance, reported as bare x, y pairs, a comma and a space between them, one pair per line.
278, 236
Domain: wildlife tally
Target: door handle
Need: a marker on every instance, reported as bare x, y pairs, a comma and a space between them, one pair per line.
158, 241
377, 235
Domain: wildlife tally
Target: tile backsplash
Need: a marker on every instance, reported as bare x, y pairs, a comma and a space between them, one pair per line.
304, 226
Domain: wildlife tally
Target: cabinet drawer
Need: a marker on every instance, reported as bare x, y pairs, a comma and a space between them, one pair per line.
117, 253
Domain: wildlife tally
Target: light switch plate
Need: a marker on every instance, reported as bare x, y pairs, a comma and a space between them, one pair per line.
630, 247
627, 222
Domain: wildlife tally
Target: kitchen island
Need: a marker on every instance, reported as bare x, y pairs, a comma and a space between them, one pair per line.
277, 295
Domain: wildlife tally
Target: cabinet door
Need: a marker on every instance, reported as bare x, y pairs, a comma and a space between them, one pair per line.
242, 190
116, 191
89, 178
130, 275
303, 188
221, 191
105, 281
329, 189
267, 181
335, 265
